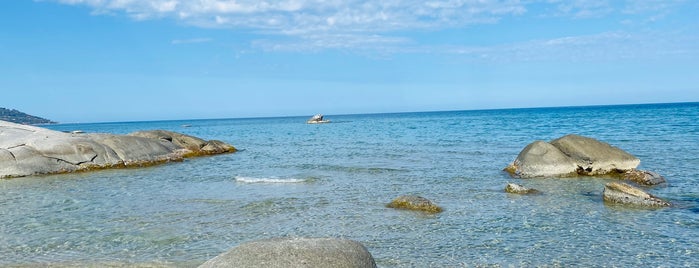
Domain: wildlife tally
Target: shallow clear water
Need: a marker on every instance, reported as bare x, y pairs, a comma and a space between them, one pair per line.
294, 179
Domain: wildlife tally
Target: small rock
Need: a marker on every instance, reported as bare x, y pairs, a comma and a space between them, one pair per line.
295, 252
414, 202
519, 189
643, 177
622, 193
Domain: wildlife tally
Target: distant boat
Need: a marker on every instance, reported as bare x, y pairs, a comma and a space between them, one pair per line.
317, 119
186, 125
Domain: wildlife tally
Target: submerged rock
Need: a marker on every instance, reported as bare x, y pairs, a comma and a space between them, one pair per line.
413, 202
622, 193
643, 177
295, 252
571, 155
28, 150
519, 189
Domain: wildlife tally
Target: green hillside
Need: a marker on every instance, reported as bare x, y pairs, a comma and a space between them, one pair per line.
15, 116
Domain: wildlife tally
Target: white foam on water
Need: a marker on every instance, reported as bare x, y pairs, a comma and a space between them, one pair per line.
269, 180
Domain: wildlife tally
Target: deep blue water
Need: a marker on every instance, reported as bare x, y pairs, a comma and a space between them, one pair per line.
294, 179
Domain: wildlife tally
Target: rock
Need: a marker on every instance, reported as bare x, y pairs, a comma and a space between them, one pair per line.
643, 177
542, 159
622, 193
196, 146
295, 252
413, 202
571, 155
317, 119
519, 189
594, 157
28, 150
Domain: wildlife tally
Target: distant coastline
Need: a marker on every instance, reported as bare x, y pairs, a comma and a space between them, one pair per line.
15, 116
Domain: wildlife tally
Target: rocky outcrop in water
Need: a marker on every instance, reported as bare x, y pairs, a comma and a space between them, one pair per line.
513, 188
574, 155
625, 194
28, 150
295, 252
414, 202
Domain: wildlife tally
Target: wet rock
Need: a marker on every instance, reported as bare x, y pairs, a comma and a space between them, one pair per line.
519, 189
622, 193
643, 177
413, 202
295, 252
571, 155
28, 150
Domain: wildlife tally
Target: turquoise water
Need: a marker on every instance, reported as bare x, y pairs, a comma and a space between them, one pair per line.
294, 179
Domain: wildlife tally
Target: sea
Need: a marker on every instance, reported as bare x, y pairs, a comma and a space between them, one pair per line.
292, 179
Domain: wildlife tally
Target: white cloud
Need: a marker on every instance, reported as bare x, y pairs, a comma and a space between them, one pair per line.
310, 25
191, 41
607, 46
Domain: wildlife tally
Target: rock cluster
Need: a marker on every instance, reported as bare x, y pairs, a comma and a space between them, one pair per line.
295, 252
574, 155
28, 150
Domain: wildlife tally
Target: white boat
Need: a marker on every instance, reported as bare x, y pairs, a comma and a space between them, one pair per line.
317, 119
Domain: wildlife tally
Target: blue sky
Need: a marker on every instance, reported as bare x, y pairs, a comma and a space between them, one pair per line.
132, 60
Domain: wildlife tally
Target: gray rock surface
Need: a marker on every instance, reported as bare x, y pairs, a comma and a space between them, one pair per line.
295, 252
571, 155
622, 193
29, 150
594, 157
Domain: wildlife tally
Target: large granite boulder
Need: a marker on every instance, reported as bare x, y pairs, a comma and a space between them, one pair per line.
295, 252
594, 157
574, 155
625, 194
542, 159
414, 202
29, 150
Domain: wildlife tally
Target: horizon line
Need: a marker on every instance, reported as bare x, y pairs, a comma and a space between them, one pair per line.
381, 113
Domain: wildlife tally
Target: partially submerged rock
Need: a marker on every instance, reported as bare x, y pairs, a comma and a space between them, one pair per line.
28, 150
574, 155
519, 189
295, 252
414, 202
643, 177
317, 119
622, 193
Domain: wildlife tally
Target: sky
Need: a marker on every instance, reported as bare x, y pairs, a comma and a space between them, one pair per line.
139, 60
